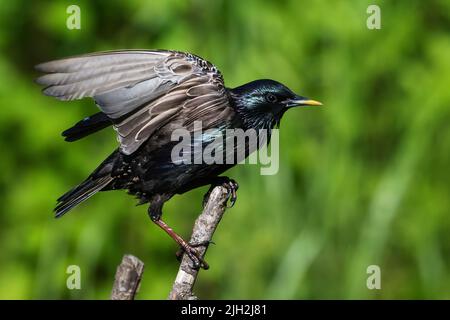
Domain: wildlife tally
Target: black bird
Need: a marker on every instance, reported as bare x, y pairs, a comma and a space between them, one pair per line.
145, 96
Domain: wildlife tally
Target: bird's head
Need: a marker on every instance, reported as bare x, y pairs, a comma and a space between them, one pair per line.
262, 103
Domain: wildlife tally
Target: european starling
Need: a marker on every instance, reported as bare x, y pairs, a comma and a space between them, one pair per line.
145, 96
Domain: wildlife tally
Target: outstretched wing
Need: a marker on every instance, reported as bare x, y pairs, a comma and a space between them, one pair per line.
140, 91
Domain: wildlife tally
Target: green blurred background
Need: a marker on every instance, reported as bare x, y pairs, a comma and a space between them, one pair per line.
362, 181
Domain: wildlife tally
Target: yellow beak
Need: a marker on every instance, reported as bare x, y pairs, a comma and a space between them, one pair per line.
302, 101
309, 103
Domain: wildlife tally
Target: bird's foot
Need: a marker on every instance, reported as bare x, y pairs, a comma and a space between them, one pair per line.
194, 254
179, 253
230, 184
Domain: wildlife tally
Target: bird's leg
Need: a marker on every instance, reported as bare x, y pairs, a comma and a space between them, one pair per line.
231, 185
185, 247
155, 215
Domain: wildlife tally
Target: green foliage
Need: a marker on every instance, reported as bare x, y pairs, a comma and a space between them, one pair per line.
363, 180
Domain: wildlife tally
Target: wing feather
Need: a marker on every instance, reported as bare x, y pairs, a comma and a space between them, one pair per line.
140, 91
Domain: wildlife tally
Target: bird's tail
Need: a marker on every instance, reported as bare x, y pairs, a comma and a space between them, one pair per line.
87, 126
80, 193
98, 180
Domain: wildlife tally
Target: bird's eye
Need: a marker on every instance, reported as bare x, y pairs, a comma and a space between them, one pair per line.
271, 98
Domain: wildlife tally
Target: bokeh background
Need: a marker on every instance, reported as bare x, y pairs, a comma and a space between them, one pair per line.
362, 181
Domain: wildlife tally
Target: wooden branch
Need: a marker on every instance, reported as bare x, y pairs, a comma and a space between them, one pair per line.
128, 277
203, 231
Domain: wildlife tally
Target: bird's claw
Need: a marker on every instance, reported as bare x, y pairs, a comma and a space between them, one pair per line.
232, 186
197, 261
194, 255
